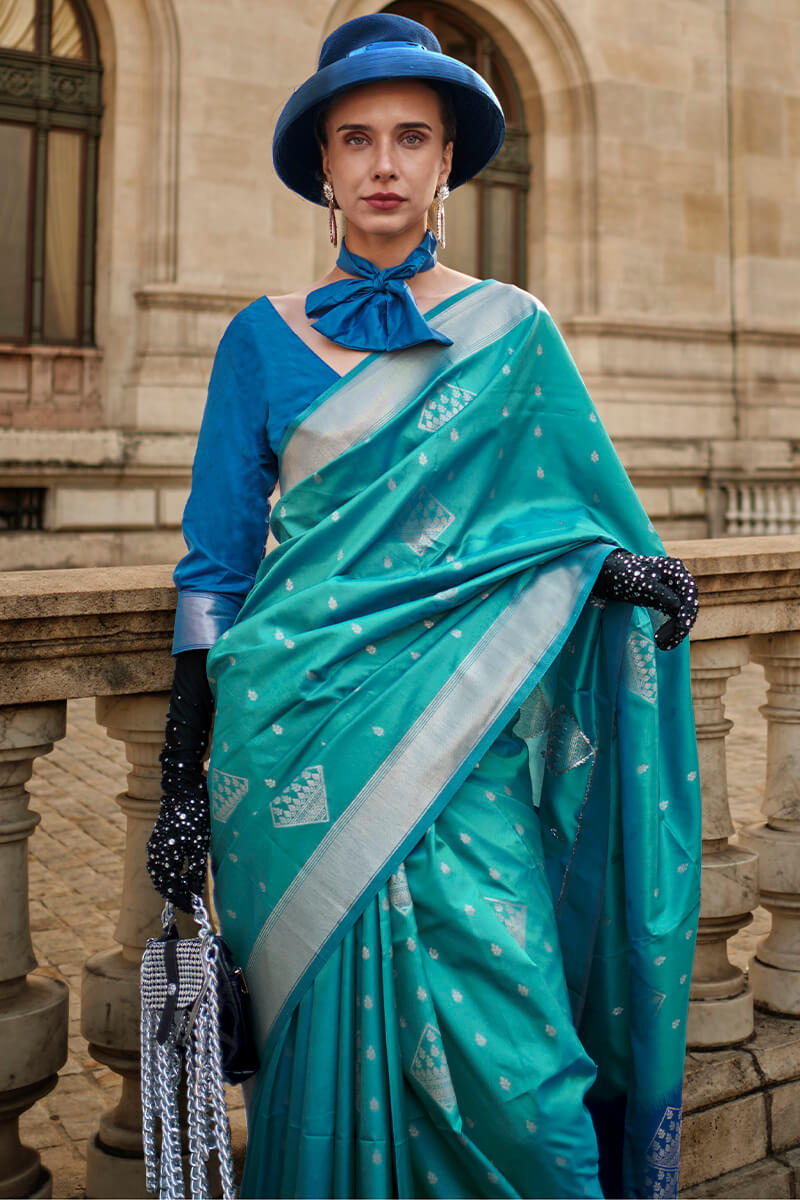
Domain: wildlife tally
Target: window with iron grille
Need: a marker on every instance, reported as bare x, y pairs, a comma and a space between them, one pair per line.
22, 508
50, 110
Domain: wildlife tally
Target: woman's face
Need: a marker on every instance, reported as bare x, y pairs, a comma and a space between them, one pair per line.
385, 155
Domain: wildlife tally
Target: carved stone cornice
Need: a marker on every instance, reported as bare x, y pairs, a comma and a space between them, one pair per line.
682, 331
638, 327
177, 297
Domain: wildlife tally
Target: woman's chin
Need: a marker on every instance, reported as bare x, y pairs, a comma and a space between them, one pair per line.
391, 223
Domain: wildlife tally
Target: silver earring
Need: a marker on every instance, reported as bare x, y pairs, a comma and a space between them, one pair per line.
327, 191
442, 192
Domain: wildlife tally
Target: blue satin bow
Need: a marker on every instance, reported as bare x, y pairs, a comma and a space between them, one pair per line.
377, 309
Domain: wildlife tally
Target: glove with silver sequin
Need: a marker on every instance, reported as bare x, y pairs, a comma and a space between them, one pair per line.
182, 832
662, 583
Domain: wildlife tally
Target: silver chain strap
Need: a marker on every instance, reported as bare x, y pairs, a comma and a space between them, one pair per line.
208, 1127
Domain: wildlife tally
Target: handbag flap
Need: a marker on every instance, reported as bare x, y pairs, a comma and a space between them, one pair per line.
191, 975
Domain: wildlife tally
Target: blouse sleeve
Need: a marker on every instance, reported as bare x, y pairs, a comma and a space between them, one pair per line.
226, 518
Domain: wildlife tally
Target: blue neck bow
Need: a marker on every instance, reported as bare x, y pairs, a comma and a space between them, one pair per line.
377, 309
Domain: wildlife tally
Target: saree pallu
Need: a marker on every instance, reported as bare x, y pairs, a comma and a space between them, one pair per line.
455, 800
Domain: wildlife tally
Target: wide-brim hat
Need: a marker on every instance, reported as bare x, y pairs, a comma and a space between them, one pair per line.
367, 50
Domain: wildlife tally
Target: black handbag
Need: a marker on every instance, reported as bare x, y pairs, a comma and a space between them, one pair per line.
236, 1035
195, 1013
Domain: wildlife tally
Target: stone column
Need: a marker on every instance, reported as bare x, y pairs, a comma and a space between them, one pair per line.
34, 1012
775, 970
110, 992
721, 1003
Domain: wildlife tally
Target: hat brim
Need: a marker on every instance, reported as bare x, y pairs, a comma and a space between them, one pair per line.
480, 125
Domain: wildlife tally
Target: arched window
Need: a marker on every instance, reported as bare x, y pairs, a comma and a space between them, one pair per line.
49, 128
486, 233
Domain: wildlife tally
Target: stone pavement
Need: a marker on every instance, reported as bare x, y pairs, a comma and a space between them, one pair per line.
75, 875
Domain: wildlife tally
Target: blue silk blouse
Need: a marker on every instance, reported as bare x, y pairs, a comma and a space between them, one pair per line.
264, 375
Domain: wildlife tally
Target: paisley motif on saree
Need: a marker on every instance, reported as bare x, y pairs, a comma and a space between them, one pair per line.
444, 515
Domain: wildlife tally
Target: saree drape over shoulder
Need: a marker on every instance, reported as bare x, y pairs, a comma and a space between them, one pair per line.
455, 798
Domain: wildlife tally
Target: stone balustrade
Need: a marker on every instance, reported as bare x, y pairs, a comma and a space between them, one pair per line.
102, 632
106, 633
750, 607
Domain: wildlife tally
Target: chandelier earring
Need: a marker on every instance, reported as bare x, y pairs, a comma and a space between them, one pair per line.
327, 191
442, 192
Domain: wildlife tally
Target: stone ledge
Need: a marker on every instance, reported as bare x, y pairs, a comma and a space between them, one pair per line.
132, 547
747, 585
85, 590
725, 557
770, 1057
85, 632
26, 350
55, 451
79, 621
177, 296
742, 1114
772, 1177
635, 326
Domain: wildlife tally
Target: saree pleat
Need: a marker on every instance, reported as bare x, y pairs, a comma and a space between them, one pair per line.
461, 945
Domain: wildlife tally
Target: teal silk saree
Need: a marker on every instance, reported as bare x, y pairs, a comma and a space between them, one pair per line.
455, 801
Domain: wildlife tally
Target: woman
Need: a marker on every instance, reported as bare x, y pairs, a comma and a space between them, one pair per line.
454, 797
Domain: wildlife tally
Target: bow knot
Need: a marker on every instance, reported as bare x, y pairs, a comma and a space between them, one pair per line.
346, 311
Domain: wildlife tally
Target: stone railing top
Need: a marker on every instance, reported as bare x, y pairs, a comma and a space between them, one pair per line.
739, 555
85, 632
747, 584
107, 630
85, 590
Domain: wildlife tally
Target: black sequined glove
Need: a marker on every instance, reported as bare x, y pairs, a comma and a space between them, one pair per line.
182, 830
662, 583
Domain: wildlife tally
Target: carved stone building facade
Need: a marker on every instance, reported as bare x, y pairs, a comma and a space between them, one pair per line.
649, 194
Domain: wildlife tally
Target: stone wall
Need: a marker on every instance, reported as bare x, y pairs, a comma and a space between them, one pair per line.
50, 387
663, 217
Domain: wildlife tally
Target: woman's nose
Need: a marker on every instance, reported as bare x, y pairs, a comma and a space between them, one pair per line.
384, 166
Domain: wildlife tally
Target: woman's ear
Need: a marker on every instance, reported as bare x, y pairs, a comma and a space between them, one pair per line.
326, 171
447, 164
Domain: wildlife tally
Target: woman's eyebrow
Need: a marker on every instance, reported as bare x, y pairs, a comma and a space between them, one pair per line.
402, 125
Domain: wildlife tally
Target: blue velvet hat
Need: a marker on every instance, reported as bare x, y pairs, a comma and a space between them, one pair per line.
369, 49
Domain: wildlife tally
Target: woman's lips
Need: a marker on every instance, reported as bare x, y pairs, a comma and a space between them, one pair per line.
384, 200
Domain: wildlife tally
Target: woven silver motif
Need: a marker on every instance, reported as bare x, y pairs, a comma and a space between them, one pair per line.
225, 792
513, 916
639, 667
422, 521
305, 801
443, 406
429, 1068
399, 893
567, 745
663, 1155
534, 715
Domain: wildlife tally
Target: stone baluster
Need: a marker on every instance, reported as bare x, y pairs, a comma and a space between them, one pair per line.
721, 1003
33, 1010
775, 970
110, 993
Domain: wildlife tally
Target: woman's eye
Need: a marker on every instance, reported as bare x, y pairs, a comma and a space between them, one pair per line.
412, 139
356, 139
